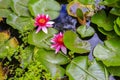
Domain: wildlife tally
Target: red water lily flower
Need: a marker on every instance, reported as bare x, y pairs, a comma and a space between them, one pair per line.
58, 44
42, 22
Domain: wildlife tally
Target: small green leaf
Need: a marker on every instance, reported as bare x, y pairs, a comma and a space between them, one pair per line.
73, 42
85, 32
86, 1
109, 53
7, 45
78, 70
41, 39
26, 56
50, 7
79, 13
20, 23
8, 48
104, 21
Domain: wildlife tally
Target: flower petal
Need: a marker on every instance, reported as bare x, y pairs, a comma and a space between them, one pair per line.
38, 29
44, 29
50, 22
47, 16
57, 49
64, 50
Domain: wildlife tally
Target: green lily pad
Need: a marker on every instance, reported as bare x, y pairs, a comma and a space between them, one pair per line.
20, 23
41, 39
79, 13
4, 4
50, 7
117, 26
52, 61
109, 53
4, 12
87, 1
111, 3
78, 70
104, 21
85, 32
51, 57
110, 34
114, 70
115, 11
73, 42
20, 7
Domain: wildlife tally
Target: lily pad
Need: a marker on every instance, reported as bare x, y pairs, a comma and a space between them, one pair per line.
52, 61
109, 53
110, 34
78, 70
4, 4
74, 43
50, 7
4, 12
41, 39
115, 11
20, 23
114, 70
85, 32
111, 3
87, 1
117, 26
104, 21
20, 7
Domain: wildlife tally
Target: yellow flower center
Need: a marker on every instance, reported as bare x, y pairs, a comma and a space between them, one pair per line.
42, 21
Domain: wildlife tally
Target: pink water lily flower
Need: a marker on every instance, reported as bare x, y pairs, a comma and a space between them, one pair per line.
58, 44
42, 22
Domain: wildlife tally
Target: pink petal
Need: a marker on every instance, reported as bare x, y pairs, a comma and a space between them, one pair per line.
38, 29
47, 16
49, 25
52, 40
50, 22
61, 34
64, 50
57, 49
44, 29
54, 46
